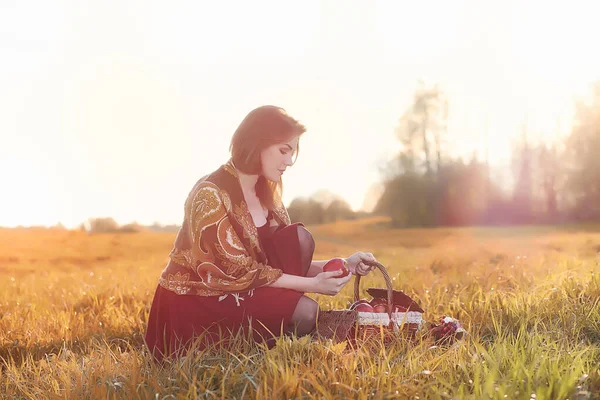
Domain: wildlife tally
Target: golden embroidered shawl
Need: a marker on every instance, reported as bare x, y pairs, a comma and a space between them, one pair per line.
217, 250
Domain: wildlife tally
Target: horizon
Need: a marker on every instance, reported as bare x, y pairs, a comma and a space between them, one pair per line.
121, 122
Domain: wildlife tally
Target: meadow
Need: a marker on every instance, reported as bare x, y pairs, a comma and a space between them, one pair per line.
73, 309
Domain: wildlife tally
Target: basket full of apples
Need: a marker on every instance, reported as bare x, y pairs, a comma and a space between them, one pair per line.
389, 312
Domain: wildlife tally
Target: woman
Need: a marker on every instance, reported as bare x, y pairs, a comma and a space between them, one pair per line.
237, 263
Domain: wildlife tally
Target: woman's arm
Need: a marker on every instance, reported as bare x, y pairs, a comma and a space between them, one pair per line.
323, 283
294, 282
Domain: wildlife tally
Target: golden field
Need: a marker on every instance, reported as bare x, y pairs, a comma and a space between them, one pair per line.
73, 308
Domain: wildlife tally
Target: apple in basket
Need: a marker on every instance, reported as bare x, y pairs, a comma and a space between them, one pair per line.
357, 302
336, 264
379, 305
364, 307
378, 301
380, 308
361, 306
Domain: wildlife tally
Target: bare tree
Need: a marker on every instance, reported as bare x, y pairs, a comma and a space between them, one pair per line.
549, 168
522, 160
421, 129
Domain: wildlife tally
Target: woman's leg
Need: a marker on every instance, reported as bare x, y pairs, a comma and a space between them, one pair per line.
304, 318
305, 315
307, 249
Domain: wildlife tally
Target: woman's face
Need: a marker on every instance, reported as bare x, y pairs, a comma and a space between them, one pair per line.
276, 158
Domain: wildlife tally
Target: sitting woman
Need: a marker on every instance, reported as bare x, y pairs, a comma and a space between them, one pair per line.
237, 262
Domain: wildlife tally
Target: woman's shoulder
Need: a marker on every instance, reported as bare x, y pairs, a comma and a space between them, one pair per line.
220, 178
219, 181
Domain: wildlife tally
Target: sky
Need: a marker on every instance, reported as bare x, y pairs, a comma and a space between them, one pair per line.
115, 108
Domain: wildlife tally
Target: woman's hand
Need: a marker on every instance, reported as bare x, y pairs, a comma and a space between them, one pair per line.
329, 283
356, 263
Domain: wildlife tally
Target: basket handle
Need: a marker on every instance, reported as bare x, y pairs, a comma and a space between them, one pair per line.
388, 283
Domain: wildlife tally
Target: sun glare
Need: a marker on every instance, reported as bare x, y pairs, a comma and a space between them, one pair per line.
107, 122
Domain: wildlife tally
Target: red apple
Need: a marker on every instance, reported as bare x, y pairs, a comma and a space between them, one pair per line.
377, 301
380, 308
336, 264
353, 306
364, 307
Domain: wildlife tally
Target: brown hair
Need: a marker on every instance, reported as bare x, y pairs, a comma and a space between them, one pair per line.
263, 127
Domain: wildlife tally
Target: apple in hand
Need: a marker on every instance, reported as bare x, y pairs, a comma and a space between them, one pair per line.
336, 264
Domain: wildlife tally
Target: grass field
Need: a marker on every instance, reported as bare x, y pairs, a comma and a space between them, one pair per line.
73, 309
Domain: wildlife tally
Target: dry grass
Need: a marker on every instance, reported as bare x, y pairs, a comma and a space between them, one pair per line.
73, 308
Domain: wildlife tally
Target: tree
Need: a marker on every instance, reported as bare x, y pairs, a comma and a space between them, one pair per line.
522, 167
323, 206
102, 225
307, 211
548, 161
462, 194
405, 200
411, 179
338, 209
583, 160
132, 227
421, 129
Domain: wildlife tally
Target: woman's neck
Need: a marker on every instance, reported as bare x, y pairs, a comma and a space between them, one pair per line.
248, 183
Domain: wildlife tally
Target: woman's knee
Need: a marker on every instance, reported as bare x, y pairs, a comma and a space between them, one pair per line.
305, 238
312, 309
307, 243
306, 310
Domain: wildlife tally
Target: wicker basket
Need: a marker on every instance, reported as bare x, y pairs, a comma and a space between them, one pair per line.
340, 325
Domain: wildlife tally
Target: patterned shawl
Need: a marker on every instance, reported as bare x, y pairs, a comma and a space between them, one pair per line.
217, 250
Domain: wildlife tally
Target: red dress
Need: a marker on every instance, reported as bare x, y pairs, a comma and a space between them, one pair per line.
176, 320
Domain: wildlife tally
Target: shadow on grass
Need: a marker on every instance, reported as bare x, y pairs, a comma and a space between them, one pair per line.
17, 353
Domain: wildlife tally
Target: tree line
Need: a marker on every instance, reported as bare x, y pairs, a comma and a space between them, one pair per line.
553, 182
550, 182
